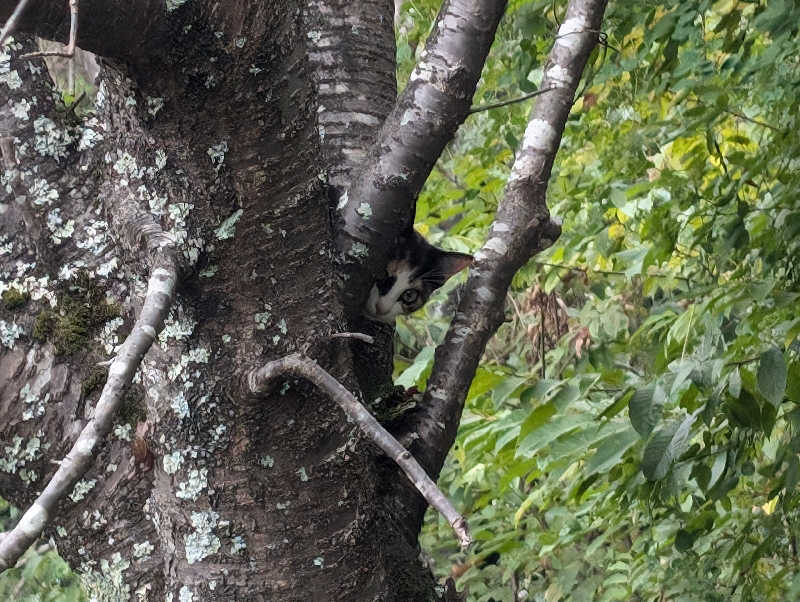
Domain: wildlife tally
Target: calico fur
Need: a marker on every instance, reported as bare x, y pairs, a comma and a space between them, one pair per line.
416, 269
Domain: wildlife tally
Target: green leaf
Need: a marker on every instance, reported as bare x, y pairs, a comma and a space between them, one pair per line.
412, 375
664, 447
618, 405
546, 432
610, 451
772, 375
683, 540
645, 408
505, 388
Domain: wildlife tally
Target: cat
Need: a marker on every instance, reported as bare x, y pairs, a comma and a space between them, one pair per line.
415, 270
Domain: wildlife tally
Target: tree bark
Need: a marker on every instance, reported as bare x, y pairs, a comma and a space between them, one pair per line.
214, 137
220, 125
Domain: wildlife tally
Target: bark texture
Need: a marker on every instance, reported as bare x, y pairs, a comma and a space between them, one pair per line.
206, 127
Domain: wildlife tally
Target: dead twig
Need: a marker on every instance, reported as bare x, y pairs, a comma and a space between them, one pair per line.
69, 49
260, 381
502, 103
354, 335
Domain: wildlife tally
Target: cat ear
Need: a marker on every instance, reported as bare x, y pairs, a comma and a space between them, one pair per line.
451, 263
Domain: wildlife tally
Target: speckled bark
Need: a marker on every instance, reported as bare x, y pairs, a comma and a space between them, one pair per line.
352, 55
214, 138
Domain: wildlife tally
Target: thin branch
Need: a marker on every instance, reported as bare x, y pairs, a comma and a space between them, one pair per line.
8, 28
495, 105
158, 299
751, 120
354, 335
259, 381
69, 49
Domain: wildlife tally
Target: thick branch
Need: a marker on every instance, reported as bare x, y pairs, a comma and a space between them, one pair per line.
522, 228
160, 290
379, 205
298, 365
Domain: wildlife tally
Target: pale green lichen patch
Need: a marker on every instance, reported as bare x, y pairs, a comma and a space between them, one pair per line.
178, 326
180, 405
60, 230
49, 140
42, 193
262, 318
172, 462
35, 406
364, 210
9, 333
358, 250
16, 456
185, 594
217, 153
191, 489
123, 432
198, 355
154, 105
107, 584
209, 272
228, 227
81, 488
238, 544
202, 542
142, 551
267, 461
175, 4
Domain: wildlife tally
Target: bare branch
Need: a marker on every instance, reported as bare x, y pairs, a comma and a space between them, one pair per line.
8, 28
522, 228
69, 49
260, 379
354, 335
510, 101
158, 299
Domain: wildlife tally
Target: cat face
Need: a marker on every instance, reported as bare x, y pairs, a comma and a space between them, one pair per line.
417, 269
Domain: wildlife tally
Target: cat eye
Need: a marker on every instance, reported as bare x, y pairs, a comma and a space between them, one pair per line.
409, 296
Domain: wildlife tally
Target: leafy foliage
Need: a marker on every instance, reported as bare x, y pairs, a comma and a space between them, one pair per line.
40, 576
651, 451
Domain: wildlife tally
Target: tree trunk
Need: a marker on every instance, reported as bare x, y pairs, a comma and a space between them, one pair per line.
201, 488
218, 128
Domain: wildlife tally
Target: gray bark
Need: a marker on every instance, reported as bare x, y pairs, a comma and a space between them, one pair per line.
200, 488
218, 122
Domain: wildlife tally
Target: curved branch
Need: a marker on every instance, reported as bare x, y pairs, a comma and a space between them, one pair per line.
158, 299
260, 381
379, 206
522, 228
